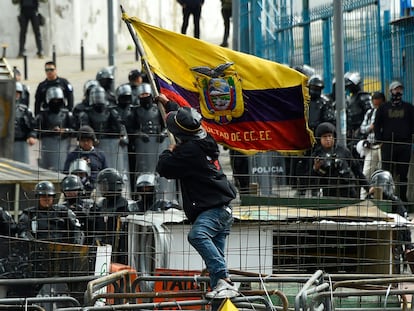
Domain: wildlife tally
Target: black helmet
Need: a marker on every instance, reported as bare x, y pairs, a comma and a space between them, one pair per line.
109, 181
124, 95
44, 188
134, 74
185, 124
353, 82
105, 77
316, 81
97, 99
85, 131
71, 183
383, 179
88, 86
325, 128
105, 73
315, 85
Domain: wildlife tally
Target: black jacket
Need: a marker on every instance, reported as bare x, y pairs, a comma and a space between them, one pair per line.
203, 184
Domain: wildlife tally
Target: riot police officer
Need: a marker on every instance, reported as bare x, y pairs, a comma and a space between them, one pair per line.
49, 221
125, 108
357, 104
24, 125
77, 201
55, 125
105, 77
109, 229
84, 104
321, 109
383, 181
109, 129
149, 133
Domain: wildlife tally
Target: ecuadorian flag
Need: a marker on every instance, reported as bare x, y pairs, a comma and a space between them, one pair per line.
248, 103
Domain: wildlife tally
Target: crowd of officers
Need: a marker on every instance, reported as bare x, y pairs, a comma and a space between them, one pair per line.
119, 133
378, 137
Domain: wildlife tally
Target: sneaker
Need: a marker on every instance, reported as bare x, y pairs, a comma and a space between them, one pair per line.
224, 44
40, 55
223, 289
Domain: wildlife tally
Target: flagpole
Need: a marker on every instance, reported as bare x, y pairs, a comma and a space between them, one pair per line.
148, 71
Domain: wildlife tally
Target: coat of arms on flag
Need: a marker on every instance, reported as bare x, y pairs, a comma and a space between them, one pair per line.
220, 92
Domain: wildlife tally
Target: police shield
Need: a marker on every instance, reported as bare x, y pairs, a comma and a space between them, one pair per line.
117, 157
54, 150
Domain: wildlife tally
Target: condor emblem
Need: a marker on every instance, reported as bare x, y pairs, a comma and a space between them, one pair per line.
220, 92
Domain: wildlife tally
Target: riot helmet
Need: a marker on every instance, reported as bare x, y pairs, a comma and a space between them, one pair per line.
315, 85
305, 69
88, 86
109, 181
80, 167
71, 183
144, 93
353, 82
97, 99
105, 77
124, 95
55, 98
146, 183
383, 179
19, 87
44, 188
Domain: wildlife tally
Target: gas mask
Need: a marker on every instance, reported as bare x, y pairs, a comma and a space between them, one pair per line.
396, 97
99, 108
146, 101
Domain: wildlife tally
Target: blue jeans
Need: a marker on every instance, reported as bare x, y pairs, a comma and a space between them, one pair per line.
208, 236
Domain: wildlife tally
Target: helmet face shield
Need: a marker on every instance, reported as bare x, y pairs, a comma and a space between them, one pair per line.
383, 180
109, 182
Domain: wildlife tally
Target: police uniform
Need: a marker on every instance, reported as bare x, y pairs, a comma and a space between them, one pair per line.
40, 96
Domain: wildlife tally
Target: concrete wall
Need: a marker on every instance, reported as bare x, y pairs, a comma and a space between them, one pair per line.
70, 21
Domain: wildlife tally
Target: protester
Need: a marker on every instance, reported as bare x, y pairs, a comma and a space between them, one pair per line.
191, 7
206, 192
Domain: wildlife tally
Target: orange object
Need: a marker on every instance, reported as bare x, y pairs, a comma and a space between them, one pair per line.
177, 286
123, 285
